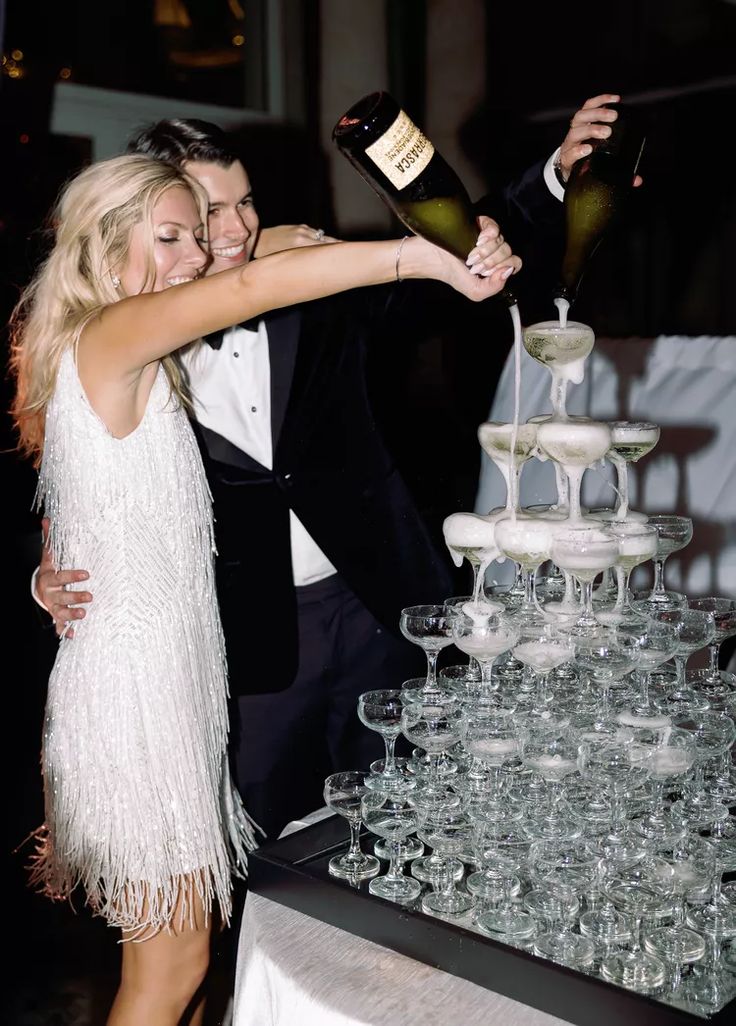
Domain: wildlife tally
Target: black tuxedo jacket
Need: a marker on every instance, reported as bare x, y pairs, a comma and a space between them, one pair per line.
332, 468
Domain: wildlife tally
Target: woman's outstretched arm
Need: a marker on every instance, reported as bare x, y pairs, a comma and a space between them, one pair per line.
134, 332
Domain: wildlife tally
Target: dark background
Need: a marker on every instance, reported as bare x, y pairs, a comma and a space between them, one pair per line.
669, 268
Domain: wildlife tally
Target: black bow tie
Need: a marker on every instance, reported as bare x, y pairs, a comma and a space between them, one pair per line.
214, 339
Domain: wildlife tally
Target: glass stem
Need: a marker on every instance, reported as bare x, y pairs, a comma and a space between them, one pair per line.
617, 813
717, 881
389, 762
354, 838
658, 588
713, 650
529, 596
394, 866
476, 582
658, 799
680, 662
486, 671
622, 477
586, 600
698, 781
644, 679
622, 582
636, 934
541, 691
432, 668
433, 771
558, 396
574, 480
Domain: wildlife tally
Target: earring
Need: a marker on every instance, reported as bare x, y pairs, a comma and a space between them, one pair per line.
115, 281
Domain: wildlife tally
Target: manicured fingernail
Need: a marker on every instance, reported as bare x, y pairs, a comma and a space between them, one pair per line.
585, 150
507, 273
477, 267
472, 257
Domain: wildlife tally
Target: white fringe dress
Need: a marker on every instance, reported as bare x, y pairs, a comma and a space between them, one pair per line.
140, 808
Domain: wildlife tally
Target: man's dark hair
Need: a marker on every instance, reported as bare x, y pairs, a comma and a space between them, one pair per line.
178, 140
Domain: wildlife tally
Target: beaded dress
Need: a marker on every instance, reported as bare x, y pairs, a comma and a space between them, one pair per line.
140, 808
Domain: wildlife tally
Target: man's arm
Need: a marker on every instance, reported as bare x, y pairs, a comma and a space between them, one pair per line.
289, 236
50, 590
532, 201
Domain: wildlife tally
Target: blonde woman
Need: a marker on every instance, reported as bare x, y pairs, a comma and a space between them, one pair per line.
140, 810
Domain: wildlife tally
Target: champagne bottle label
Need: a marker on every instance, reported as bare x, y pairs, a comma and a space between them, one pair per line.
402, 152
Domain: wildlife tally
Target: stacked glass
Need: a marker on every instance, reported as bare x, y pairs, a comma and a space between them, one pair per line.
570, 789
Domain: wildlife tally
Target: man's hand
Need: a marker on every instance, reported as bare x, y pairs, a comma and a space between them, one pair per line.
51, 585
584, 126
289, 236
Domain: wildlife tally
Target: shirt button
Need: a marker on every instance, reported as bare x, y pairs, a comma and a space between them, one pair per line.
254, 409
236, 354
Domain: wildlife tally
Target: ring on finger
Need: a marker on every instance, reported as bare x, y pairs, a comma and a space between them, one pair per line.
319, 234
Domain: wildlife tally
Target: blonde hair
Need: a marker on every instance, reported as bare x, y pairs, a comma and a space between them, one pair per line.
93, 220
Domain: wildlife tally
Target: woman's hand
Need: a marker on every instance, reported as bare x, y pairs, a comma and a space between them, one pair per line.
289, 236
491, 249
492, 259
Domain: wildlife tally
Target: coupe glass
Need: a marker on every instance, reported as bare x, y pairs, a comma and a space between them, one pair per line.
607, 658
393, 818
618, 766
430, 628
636, 544
574, 446
495, 439
493, 738
724, 615
694, 628
677, 944
642, 890
657, 644
484, 638
712, 734
343, 793
434, 726
545, 651
563, 870
563, 351
426, 867
447, 829
527, 541
671, 760
507, 922
716, 921
464, 605
381, 711
585, 552
553, 759
629, 442
674, 533
472, 537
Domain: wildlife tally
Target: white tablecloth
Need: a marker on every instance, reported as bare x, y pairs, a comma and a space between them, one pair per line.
297, 971
688, 387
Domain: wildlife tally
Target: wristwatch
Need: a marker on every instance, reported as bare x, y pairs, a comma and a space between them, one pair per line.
557, 167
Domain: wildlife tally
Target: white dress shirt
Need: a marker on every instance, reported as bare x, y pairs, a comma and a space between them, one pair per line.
231, 391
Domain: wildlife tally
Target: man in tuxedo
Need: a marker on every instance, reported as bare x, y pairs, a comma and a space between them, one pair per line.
320, 544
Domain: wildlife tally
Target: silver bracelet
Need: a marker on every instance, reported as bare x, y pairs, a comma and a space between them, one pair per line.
398, 257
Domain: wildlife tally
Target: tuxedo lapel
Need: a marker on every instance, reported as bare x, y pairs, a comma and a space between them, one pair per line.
283, 341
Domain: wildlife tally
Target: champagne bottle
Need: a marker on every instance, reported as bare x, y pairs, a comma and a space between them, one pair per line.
400, 163
596, 194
